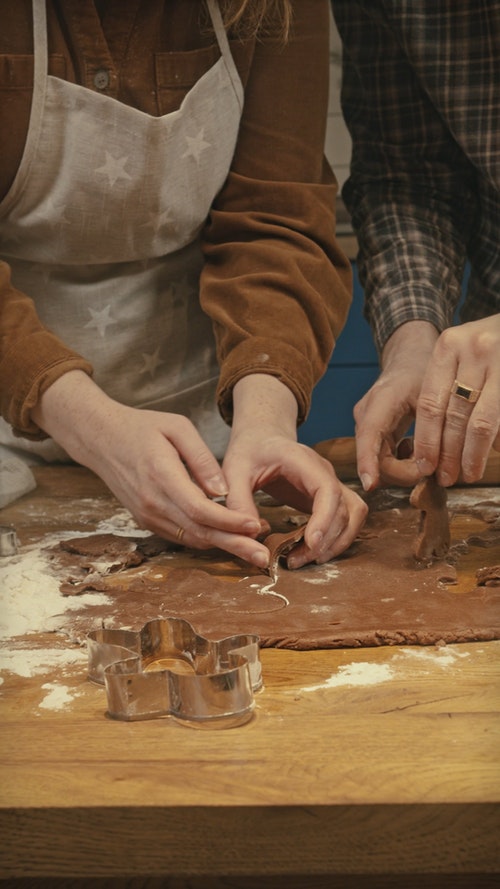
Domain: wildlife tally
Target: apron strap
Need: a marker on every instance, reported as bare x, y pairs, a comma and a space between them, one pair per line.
40, 52
40, 47
220, 33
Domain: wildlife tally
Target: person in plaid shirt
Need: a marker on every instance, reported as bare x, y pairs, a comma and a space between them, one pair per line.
421, 99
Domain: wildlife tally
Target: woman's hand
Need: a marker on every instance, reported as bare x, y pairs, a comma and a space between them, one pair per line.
263, 454
155, 463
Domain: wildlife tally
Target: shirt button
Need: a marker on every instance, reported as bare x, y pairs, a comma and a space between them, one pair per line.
101, 79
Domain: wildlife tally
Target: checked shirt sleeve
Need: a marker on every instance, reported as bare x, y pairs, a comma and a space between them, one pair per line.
413, 191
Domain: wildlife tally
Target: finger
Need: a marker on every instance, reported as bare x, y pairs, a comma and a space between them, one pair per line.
369, 444
461, 401
204, 537
240, 496
177, 496
183, 504
430, 417
357, 516
197, 456
482, 432
329, 512
321, 532
355, 512
394, 471
377, 428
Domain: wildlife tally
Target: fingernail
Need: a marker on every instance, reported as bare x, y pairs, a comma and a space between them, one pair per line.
317, 539
444, 479
252, 527
366, 480
218, 485
260, 559
424, 467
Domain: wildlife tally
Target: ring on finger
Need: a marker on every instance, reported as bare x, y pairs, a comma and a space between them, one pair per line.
465, 392
179, 534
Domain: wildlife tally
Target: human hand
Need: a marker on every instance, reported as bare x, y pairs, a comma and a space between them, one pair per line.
155, 463
454, 434
387, 410
263, 454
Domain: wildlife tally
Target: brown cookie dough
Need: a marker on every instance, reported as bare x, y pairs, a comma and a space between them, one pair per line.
377, 593
433, 538
280, 545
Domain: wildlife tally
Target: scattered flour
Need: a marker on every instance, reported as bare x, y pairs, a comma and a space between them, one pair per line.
119, 523
373, 673
443, 657
355, 674
30, 602
57, 698
322, 573
267, 590
32, 661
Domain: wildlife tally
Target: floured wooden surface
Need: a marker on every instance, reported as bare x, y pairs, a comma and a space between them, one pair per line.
376, 594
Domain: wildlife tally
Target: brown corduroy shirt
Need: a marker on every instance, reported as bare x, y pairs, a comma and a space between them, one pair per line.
275, 282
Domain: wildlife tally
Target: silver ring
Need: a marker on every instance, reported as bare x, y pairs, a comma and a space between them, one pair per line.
465, 392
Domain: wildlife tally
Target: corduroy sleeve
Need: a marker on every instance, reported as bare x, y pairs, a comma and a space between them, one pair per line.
31, 358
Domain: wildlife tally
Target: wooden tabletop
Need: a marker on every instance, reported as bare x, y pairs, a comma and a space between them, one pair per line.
396, 772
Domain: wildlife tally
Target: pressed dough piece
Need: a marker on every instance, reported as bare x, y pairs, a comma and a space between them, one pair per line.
433, 538
280, 545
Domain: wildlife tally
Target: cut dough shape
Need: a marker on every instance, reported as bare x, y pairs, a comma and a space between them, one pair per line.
433, 538
280, 545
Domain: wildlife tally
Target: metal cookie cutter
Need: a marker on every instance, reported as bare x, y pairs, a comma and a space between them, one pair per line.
8, 540
167, 669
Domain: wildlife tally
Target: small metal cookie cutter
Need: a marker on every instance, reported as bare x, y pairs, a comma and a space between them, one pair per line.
167, 669
8, 540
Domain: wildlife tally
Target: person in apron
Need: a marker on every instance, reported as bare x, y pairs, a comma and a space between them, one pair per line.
105, 227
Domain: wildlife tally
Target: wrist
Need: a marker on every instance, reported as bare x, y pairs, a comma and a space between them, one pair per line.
74, 411
412, 341
262, 401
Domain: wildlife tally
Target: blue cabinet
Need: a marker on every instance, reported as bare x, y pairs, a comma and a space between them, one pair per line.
352, 370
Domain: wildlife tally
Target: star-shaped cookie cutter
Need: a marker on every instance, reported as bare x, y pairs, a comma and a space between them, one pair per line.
167, 669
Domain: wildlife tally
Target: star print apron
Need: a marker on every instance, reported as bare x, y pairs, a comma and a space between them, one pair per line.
101, 228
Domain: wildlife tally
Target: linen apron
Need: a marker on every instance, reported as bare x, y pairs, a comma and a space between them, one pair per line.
101, 228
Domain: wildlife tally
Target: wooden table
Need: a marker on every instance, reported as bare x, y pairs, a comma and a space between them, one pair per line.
380, 783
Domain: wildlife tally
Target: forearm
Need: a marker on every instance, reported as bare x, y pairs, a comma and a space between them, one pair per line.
412, 193
275, 283
78, 415
411, 270
31, 358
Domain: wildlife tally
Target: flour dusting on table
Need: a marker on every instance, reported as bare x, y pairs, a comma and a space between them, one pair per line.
31, 603
355, 674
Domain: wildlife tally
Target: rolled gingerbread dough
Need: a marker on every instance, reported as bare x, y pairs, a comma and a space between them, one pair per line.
377, 593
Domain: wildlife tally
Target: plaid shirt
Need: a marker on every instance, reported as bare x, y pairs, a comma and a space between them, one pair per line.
421, 98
